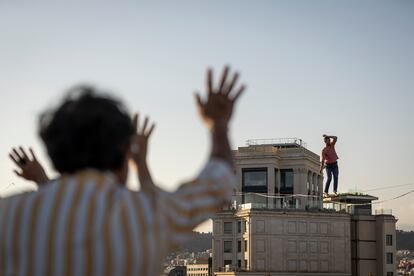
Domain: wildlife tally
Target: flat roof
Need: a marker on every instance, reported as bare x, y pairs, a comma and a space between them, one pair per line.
350, 198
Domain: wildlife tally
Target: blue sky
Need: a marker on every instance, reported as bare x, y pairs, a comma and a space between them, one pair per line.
311, 67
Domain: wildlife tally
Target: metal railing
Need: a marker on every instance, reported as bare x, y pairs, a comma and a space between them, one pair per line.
277, 141
298, 202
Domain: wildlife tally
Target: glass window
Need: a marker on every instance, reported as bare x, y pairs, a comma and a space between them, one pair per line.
388, 240
390, 273
239, 263
239, 246
227, 262
245, 263
239, 226
390, 259
228, 246
244, 226
255, 177
245, 246
228, 227
286, 178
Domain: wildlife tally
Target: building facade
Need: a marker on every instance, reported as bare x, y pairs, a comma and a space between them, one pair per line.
278, 225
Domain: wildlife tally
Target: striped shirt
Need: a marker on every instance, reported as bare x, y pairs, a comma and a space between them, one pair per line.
88, 224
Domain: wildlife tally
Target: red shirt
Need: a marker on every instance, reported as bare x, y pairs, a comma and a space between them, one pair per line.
329, 154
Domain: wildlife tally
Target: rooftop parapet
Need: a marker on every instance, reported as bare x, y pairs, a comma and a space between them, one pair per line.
279, 146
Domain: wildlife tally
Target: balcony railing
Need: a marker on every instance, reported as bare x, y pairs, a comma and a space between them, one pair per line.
259, 201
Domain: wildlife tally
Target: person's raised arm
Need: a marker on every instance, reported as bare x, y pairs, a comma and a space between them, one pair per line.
216, 111
139, 149
30, 168
334, 138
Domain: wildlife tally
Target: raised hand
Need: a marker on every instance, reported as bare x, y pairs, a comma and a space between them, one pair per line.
218, 107
139, 149
139, 143
30, 168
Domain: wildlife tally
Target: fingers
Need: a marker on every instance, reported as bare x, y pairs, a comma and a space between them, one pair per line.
151, 130
32, 154
198, 100
18, 157
229, 87
146, 130
145, 125
209, 81
23, 152
238, 93
135, 122
15, 160
223, 79
18, 173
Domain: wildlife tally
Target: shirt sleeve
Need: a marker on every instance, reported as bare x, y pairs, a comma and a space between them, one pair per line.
198, 200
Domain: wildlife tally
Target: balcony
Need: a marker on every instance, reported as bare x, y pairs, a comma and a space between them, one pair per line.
282, 202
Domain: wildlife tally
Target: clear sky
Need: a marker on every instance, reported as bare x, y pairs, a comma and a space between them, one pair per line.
312, 67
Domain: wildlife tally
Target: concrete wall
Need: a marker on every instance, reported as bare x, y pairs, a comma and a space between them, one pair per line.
289, 242
368, 242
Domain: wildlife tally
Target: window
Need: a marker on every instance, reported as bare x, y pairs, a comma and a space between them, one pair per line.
388, 240
254, 180
228, 227
244, 226
390, 273
245, 246
286, 181
389, 258
228, 246
245, 263
239, 226
255, 177
239, 264
238, 246
227, 262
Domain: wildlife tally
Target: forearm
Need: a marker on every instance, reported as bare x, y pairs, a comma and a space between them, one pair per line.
220, 143
144, 176
322, 165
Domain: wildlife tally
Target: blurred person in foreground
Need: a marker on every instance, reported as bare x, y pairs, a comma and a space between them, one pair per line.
86, 222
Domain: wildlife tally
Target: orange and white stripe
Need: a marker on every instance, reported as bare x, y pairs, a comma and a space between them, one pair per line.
88, 224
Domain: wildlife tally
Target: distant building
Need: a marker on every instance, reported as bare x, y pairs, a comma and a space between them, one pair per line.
373, 237
278, 224
177, 271
199, 268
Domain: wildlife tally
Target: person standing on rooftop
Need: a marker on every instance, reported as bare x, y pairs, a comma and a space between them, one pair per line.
329, 160
86, 222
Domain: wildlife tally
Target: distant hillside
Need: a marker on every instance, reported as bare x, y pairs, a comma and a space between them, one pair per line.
405, 240
199, 242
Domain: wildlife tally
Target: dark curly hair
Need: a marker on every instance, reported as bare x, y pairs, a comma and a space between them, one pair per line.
87, 130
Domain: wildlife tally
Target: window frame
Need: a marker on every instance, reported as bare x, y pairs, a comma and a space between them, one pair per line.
224, 227
387, 256
227, 250
388, 240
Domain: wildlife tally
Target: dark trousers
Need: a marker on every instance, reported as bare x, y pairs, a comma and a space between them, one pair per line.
332, 170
